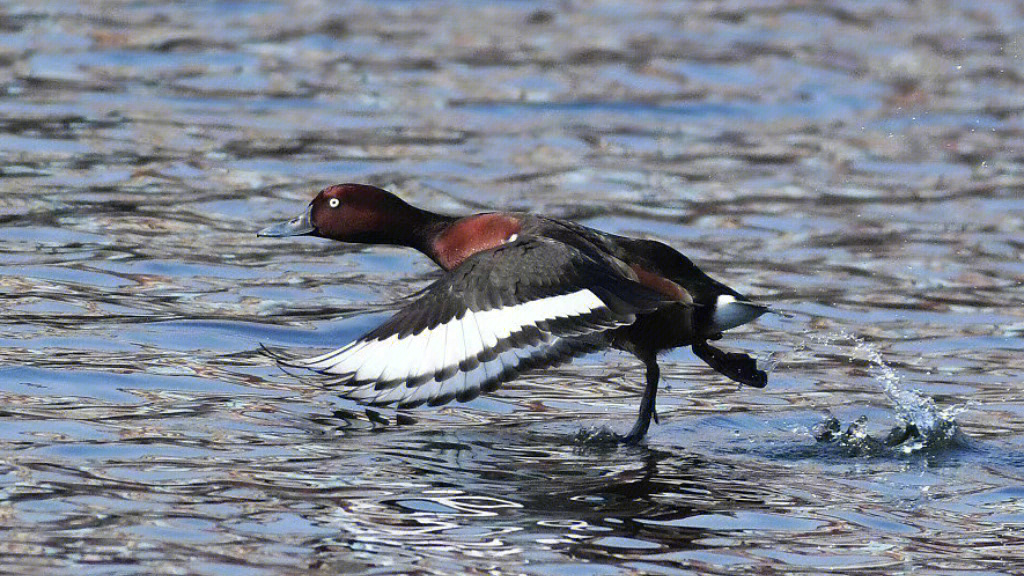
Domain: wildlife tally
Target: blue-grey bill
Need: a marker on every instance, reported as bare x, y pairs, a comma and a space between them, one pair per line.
296, 227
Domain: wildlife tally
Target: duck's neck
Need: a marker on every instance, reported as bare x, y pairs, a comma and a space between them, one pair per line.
420, 229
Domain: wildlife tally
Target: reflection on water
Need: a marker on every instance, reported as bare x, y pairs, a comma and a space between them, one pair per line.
854, 164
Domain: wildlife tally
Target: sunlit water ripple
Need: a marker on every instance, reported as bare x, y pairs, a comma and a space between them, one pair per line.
857, 165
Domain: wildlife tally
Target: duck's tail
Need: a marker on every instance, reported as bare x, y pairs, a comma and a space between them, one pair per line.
732, 311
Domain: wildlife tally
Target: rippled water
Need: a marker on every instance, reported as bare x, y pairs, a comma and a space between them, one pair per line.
857, 164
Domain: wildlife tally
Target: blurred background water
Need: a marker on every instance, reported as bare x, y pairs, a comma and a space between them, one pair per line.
857, 164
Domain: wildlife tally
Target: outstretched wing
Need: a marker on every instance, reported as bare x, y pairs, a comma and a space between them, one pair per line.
531, 303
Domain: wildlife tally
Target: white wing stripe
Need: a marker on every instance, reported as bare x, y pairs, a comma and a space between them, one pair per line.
456, 384
471, 335
446, 345
487, 322
454, 345
422, 361
375, 362
402, 349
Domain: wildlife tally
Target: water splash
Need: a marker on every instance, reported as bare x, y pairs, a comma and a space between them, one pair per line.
921, 424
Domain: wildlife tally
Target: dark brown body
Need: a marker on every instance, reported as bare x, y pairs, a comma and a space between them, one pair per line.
649, 297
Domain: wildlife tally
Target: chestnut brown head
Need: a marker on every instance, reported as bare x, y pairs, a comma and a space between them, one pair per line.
351, 213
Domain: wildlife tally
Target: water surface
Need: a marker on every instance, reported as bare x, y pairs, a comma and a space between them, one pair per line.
856, 165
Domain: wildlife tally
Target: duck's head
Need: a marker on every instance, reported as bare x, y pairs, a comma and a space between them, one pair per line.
352, 213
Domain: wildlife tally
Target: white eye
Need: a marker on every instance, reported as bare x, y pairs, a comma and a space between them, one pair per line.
334, 203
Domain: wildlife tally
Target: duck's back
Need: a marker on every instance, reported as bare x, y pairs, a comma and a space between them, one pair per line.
656, 264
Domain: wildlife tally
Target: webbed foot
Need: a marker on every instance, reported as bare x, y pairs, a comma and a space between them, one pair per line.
736, 366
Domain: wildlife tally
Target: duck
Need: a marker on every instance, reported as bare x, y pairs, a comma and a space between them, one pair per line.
518, 292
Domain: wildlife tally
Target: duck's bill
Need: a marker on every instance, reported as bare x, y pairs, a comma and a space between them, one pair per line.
300, 226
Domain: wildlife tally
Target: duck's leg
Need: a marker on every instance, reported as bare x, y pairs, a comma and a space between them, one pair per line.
647, 410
